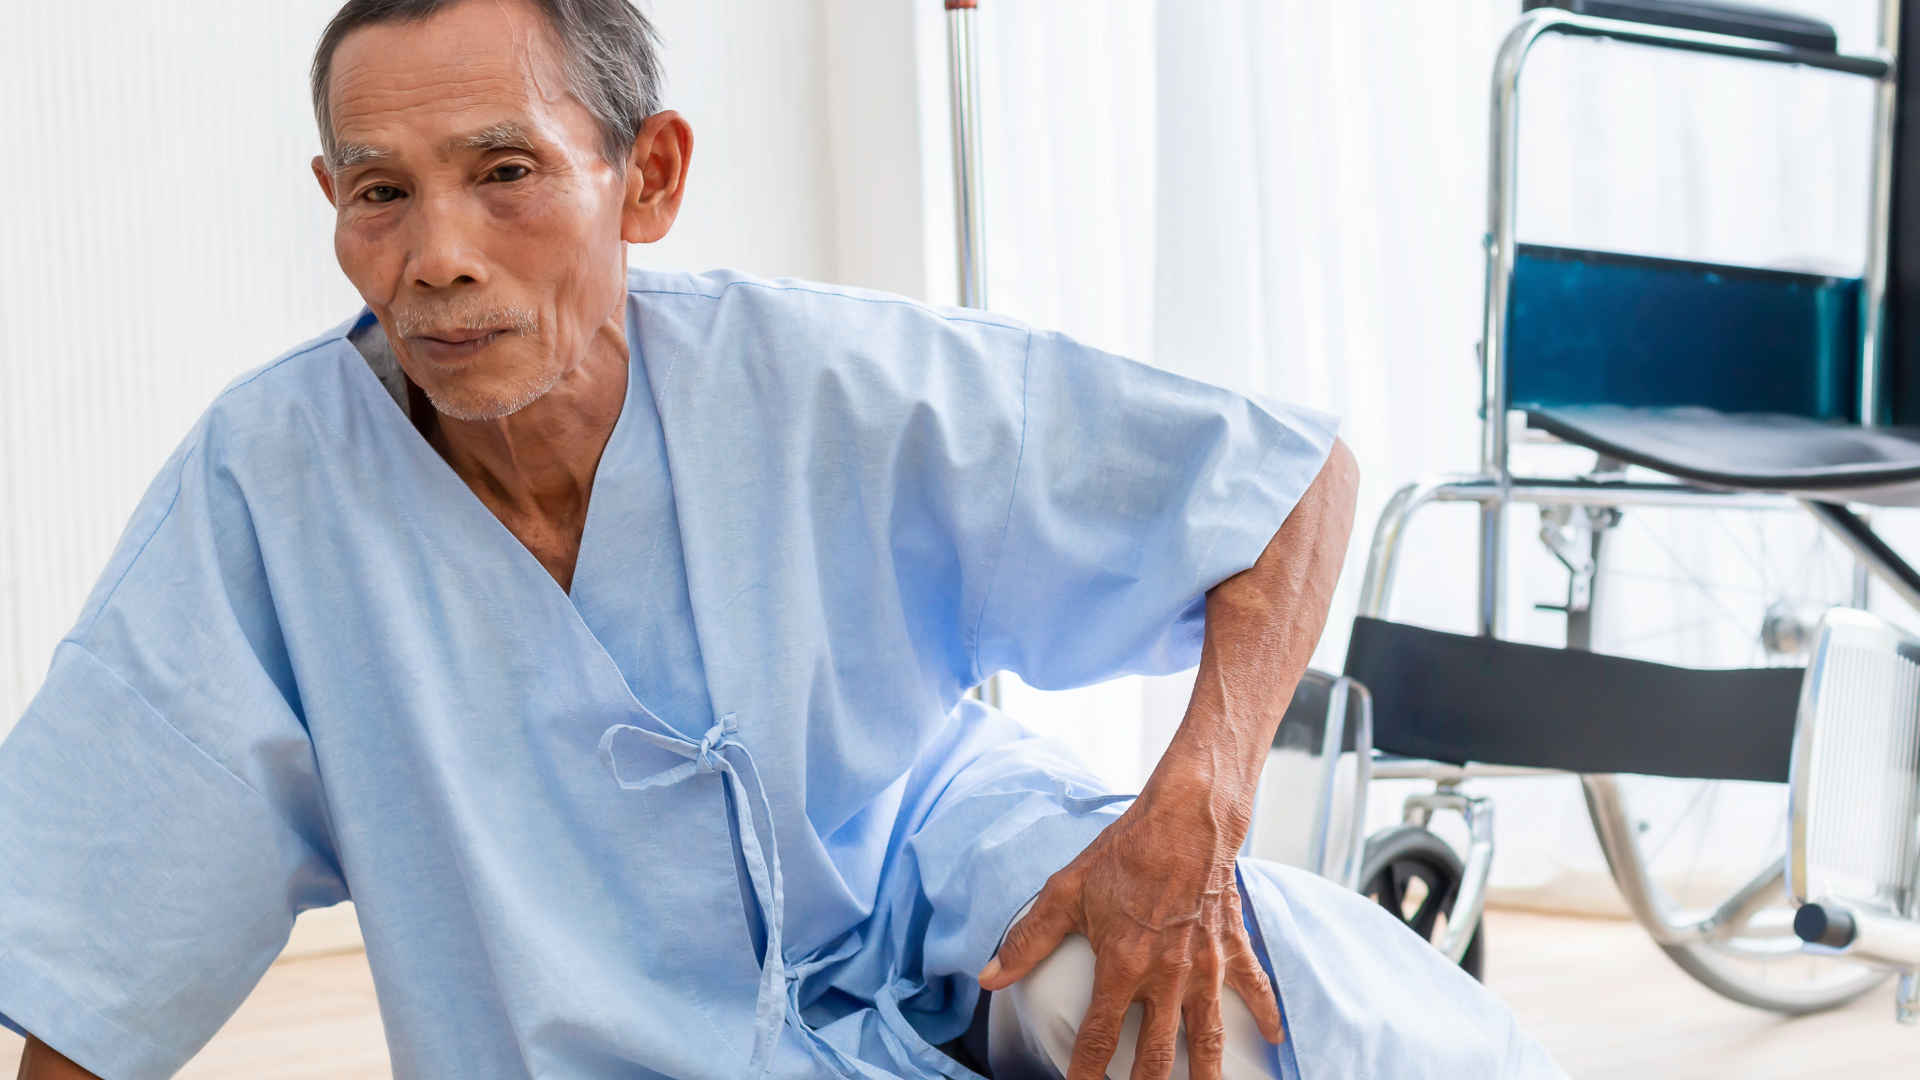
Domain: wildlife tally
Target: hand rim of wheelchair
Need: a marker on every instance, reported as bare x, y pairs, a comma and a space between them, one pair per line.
1709, 945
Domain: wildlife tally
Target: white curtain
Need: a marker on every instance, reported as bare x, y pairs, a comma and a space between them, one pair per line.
1281, 197
161, 234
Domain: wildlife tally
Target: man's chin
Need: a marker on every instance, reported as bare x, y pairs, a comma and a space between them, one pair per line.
480, 404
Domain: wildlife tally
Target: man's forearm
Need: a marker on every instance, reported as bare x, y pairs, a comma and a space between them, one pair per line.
1155, 892
1262, 626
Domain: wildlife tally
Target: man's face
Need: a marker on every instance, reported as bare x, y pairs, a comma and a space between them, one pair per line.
477, 216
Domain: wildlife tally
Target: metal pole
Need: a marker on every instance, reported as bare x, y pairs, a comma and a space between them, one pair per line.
1866, 545
969, 190
1873, 296
1873, 322
969, 194
1503, 169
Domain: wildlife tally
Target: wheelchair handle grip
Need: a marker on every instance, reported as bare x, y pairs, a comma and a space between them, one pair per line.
1819, 925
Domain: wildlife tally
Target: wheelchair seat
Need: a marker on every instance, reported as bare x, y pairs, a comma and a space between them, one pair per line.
1825, 459
1732, 377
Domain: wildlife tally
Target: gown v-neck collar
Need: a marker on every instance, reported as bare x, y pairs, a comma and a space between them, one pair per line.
384, 369
442, 482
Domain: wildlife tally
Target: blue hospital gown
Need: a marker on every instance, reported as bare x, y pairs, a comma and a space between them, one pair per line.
720, 812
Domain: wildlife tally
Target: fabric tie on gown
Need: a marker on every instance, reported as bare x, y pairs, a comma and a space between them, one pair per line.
781, 982
763, 860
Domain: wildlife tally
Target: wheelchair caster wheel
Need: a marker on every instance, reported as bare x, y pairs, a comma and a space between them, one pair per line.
1415, 875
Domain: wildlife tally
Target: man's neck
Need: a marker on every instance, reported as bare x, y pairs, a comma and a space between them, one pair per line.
534, 468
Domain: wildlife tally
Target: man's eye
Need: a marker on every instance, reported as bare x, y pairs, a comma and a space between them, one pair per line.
507, 174
382, 193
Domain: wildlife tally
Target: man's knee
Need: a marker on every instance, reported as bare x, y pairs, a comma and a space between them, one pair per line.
1034, 1022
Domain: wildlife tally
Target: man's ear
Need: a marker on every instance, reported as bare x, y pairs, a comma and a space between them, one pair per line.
656, 177
321, 174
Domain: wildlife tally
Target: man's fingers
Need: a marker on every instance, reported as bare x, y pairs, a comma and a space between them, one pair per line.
1206, 1034
1115, 980
1030, 940
1250, 982
1159, 1036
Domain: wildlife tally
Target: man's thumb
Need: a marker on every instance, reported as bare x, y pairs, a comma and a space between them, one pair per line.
1032, 938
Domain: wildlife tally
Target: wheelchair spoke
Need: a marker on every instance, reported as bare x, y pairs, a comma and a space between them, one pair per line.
1426, 913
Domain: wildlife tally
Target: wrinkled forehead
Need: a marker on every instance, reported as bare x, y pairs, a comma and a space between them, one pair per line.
468, 67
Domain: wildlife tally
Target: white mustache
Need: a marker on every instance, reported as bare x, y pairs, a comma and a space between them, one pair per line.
464, 316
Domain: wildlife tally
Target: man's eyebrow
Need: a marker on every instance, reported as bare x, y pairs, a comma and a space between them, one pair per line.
505, 135
348, 154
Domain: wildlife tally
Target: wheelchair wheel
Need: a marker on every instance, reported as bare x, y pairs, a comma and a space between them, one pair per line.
1715, 588
1722, 588
1758, 961
1794, 984
1416, 876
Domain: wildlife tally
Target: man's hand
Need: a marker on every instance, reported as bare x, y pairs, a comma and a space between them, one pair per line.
1156, 897
1155, 894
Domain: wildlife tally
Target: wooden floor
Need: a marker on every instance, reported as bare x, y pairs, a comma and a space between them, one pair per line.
1611, 1006
307, 1020
1596, 992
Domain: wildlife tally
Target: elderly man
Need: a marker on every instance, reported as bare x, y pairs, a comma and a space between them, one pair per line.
604, 636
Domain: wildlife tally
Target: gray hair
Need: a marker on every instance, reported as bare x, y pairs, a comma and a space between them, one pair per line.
607, 54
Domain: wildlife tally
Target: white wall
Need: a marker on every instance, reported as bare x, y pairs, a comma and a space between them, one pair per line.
160, 231
161, 234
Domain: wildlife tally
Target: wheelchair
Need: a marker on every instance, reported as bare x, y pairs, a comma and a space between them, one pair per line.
1694, 389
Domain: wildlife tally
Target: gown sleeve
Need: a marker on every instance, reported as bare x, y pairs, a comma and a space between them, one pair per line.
160, 812
1136, 490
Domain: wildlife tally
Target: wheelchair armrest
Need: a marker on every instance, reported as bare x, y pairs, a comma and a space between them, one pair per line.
1311, 709
1708, 16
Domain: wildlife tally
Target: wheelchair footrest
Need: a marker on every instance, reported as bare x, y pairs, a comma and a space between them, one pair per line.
1454, 698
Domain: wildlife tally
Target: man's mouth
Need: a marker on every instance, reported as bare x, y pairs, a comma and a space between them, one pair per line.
453, 346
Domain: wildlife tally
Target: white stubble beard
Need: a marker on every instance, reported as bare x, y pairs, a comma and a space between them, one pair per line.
502, 401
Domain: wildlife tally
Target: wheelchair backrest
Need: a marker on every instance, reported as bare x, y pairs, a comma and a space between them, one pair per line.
1601, 328
1596, 328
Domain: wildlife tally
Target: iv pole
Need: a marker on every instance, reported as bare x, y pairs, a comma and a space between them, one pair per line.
963, 75
969, 194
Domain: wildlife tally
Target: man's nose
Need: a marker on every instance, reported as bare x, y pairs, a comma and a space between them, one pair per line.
445, 251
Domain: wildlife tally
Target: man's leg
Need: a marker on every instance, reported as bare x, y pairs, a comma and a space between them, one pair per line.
1361, 995
1030, 1035
1034, 1021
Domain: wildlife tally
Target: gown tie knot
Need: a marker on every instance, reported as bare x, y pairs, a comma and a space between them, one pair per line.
709, 756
